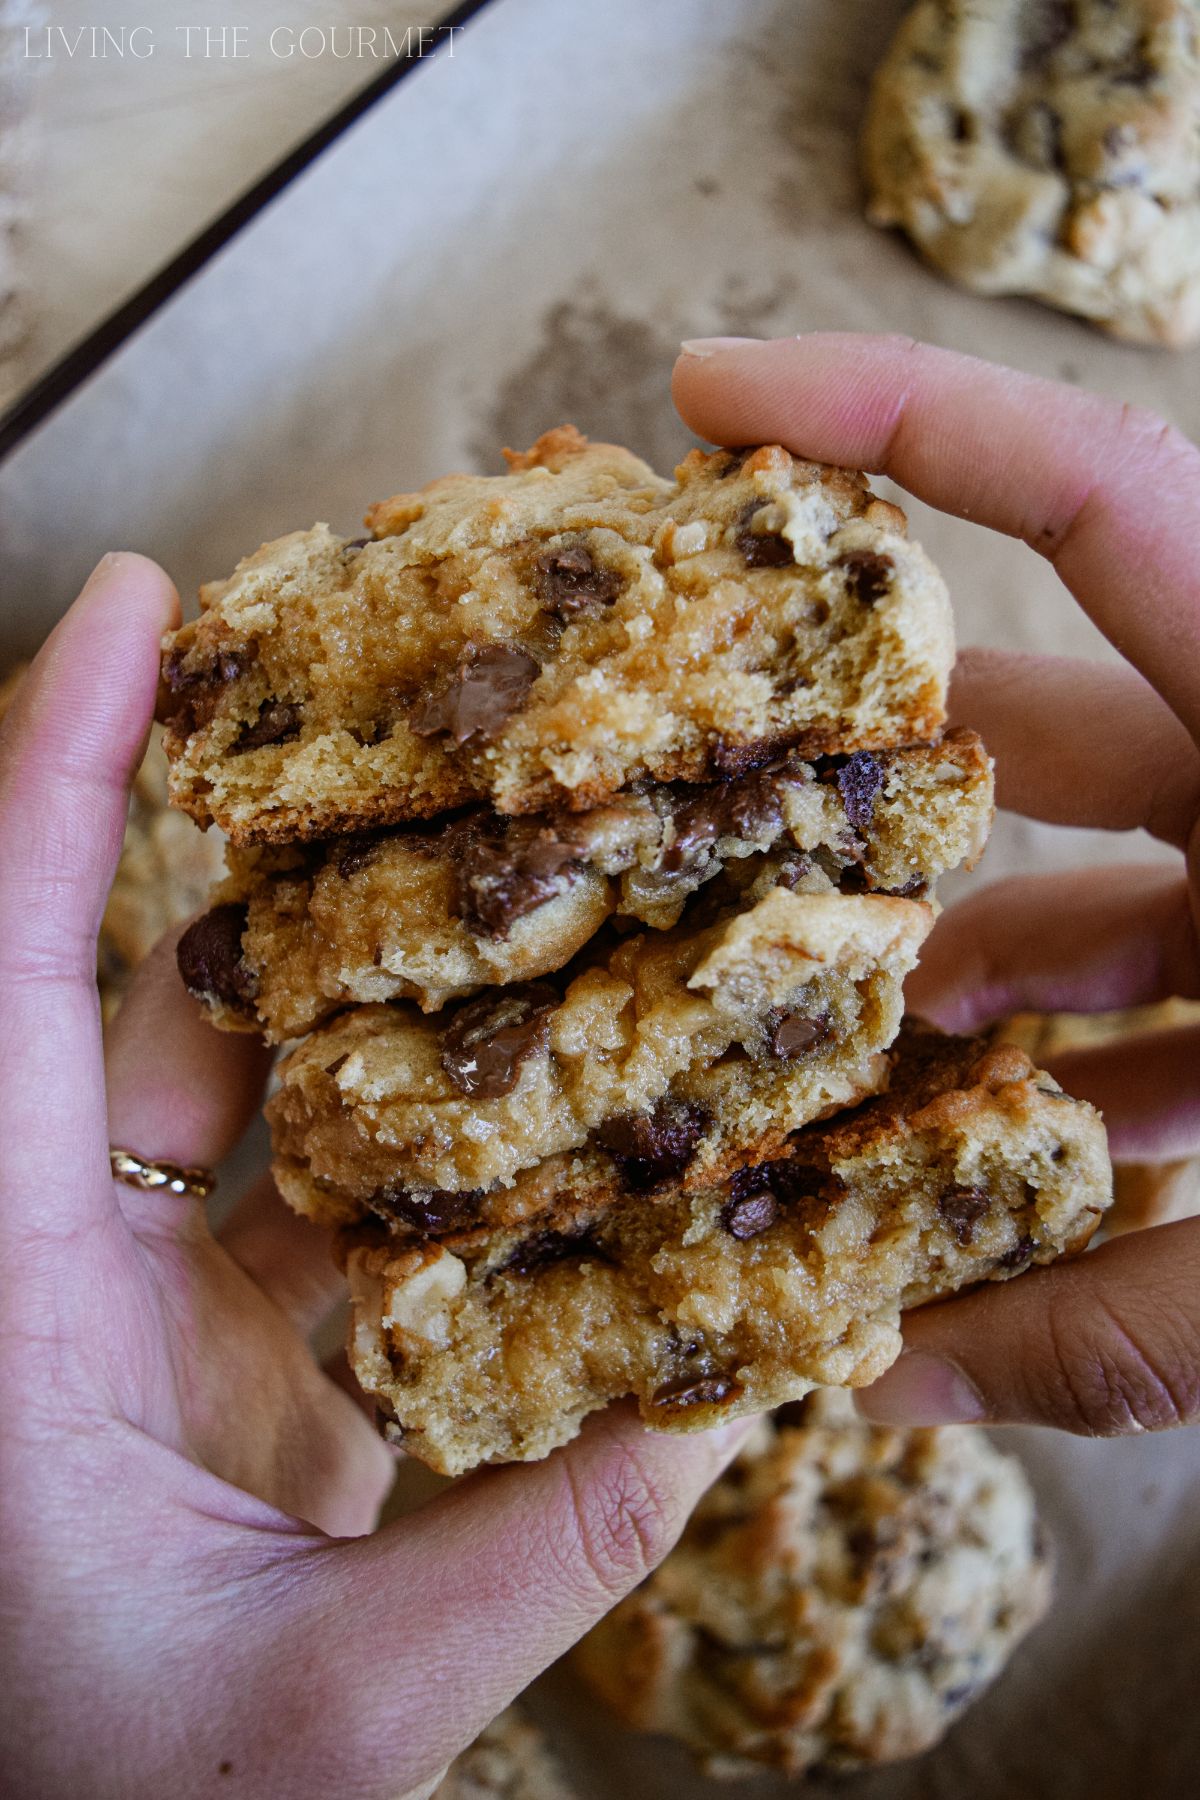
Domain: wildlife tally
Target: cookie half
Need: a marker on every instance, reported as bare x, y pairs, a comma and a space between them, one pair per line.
493, 1343
694, 1045
435, 914
839, 1597
1049, 148
545, 638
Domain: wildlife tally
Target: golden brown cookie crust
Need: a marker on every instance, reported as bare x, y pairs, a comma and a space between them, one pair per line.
543, 639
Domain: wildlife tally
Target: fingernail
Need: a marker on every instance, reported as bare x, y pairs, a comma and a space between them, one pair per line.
702, 347
921, 1389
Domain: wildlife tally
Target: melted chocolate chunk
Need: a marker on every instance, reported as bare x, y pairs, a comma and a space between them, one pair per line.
868, 576
355, 544
278, 722
915, 888
488, 1039
209, 957
652, 1147
487, 688
339, 1062
749, 808
731, 761
546, 1247
570, 581
792, 1032
504, 873
788, 1181
860, 780
1019, 1257
708, 1390
746, 1217
962, 1208
195, 692
433, 1213
761, 549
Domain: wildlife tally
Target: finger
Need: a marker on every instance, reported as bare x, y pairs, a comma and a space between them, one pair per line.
1079, 743
481, 1589
178, 1090
290, 1258
68, 751
1109, 494
1148, 1089
1104, 1345
1081, 941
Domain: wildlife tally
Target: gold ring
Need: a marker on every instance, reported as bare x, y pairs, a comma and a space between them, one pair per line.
150, 1176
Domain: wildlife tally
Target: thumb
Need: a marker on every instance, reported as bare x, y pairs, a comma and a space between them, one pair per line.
465, 1601
1104, 1346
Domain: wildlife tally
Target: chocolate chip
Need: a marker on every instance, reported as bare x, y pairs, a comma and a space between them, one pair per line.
859, 782
733, 760
506, 872
789, 1181
745, 1218
355, 544
433, 1213
709, 1390
793, 1032
749, 808
652, 1147
962, 1208
488, 1039
195, 691
1045, 24
761, 549
339, 1062
734, 462
278, 722
1138, 72
209, 957
915, 888
962, 127
868, 576
792, 870
545, 1247
489, 685
350, 854
570, 581
1019, 1256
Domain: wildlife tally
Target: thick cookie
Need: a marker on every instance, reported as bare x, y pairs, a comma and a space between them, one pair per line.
1049, 148
690, 1047
837, 1600
434, 914
508, 1761
493, 1343
543, 639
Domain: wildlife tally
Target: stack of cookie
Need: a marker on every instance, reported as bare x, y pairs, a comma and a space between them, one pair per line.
585, 826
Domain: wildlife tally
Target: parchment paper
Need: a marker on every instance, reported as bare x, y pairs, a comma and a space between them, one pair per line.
521, 235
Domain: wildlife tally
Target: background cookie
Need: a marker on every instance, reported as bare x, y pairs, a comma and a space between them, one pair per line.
837, 1600
1050, 148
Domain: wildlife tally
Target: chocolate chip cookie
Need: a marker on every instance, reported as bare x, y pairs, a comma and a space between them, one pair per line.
543, 639
488, 1341
508, 1761
434, 914
837, 1600
1049, 148
745, 1029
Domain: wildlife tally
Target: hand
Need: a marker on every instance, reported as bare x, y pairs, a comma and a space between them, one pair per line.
1111, 497
189, 1604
